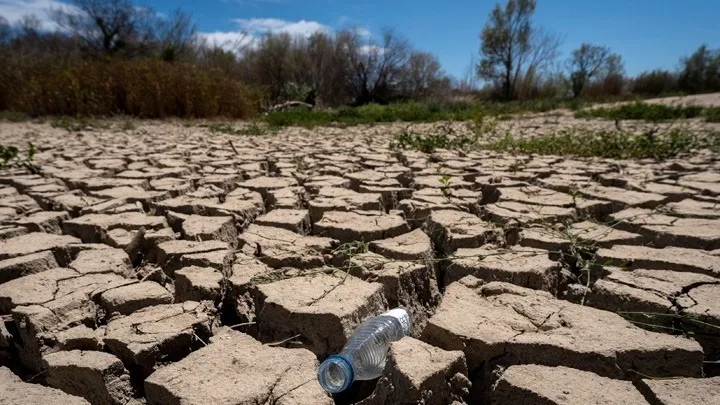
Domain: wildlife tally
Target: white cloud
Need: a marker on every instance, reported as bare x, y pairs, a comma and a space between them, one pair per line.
233, 41
15, 10
372, 49
259, 26
363, 32
251, 29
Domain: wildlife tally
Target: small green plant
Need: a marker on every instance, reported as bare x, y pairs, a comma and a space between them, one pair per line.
446, 185
13, 116
71, 124
127, 126
250, 130
300, 164
574, 193
610, 144
10, 158
712, 114
642, 111
516, 166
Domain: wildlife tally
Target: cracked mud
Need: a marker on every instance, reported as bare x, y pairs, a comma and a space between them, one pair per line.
172, 265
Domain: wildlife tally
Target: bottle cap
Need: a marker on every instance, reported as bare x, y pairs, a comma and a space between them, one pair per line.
402, 315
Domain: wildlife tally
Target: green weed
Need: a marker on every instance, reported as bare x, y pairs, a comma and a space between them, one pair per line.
127, 125
433, 111
250, 130
71, 124
642, 111
13, 116
429, 142
712, 114
10, 158
609, 144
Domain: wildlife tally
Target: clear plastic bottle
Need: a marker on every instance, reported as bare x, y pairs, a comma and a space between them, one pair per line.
363, 356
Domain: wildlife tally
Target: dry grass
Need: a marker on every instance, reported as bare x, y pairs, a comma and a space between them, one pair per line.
142, 88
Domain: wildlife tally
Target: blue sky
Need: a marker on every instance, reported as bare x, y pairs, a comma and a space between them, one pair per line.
647, 33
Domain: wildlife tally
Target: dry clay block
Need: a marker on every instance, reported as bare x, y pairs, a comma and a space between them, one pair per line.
502, 324
236, 369
682, 391
13, 391
278, 247
158, 334
360, 225
96, 376
198, 284
323, 309
526, 267
534, 384
418, 373
34, 242
408, 284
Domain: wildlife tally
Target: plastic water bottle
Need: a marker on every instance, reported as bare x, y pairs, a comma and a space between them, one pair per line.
364, 354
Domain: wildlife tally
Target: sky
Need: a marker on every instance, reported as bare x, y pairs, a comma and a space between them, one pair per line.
649, 34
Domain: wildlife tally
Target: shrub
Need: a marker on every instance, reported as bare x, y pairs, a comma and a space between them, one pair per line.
611, 144
429, 142
642, 111
655, 83
146, 88
432, 111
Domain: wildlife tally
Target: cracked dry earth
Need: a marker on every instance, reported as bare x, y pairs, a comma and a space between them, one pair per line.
167, 266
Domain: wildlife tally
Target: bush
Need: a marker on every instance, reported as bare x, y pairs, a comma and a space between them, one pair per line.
142, 88
642, 111
655, 83
429, 142
432, 111
712, 114
614, 144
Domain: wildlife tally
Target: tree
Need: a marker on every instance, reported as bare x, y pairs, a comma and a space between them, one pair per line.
655, 83
512, 49
105, 26
422, 77
175, 35
505, 38
374, 68
585, 63
5, 31
701, 71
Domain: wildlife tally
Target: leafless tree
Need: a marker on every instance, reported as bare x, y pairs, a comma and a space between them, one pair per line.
374, 66
273, 64
468, 82
176, 34
119, 27
5, 31
423, 77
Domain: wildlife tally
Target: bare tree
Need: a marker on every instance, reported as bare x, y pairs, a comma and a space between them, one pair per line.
30, 26
5, 31
327, 69
374, 67
273, 66
585, 63
422, 77
506, 41
468, 82
176, 34
107, 26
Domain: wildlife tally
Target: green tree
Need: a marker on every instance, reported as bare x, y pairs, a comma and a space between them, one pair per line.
701, 71
512, 49
505, 40
585, 63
